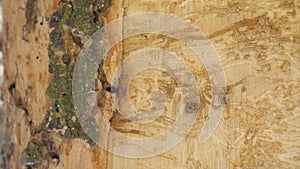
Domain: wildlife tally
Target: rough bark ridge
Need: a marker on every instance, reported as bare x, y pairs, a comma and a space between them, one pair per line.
258, 43
38, 90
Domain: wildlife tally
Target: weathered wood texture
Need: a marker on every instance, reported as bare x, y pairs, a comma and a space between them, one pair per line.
258, 43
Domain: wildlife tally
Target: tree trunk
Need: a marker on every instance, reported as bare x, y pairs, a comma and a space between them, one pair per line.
257, 43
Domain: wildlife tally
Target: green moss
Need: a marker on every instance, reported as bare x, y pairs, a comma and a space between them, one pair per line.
64, 47
33, 153
85, 15
82, 16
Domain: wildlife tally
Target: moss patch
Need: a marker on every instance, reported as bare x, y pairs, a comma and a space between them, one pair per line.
70, 23
38, 149
33, 153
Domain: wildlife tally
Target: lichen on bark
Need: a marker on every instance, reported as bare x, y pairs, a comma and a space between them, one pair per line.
71, 23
